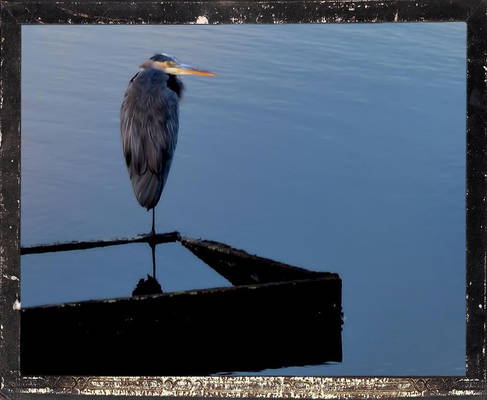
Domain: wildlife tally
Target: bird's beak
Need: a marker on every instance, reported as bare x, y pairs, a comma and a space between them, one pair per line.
183, 69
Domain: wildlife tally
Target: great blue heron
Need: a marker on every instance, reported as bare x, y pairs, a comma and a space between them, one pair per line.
149, 125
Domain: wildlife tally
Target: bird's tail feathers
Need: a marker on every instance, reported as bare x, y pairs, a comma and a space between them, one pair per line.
148, 188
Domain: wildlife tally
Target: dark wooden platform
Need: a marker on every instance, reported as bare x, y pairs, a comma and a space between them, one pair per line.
277, 315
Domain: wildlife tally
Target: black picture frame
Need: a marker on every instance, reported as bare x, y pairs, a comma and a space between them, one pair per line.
16, 13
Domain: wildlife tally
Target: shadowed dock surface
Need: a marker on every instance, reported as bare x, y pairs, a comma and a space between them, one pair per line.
276, 315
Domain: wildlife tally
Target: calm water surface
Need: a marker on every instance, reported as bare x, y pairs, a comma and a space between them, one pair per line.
333, 147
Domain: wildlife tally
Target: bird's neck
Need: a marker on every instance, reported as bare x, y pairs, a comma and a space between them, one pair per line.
175, 85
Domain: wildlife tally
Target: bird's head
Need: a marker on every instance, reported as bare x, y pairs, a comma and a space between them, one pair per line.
170, 65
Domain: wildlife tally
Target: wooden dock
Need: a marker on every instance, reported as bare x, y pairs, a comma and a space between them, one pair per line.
275, 315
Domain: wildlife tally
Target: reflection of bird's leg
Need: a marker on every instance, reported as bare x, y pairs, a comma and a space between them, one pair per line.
153, 247
153, 218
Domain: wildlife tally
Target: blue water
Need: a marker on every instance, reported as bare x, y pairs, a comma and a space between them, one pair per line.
332, 147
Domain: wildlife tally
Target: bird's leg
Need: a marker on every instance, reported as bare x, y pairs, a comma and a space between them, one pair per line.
153, 247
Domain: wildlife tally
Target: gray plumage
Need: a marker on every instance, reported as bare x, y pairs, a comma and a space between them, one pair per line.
149, 122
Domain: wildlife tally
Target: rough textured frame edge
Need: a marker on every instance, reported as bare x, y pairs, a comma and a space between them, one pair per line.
15, 13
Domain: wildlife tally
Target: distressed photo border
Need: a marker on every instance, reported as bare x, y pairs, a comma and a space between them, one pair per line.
13, 385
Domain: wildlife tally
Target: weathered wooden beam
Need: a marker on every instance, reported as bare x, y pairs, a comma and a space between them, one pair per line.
90, 244
242, 268
196, 332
